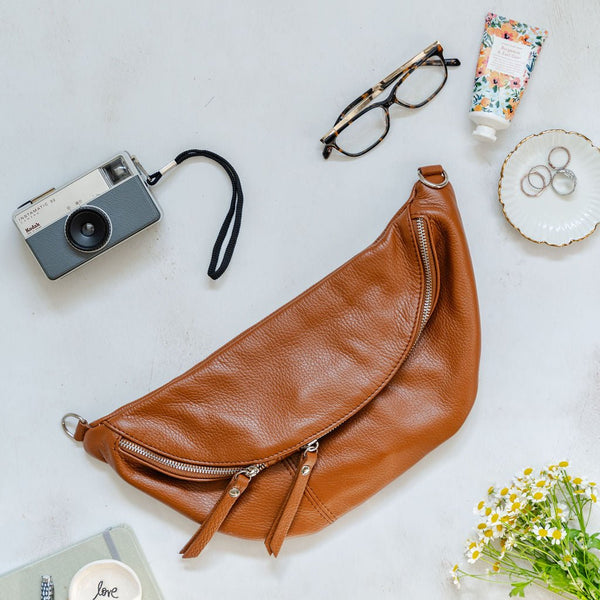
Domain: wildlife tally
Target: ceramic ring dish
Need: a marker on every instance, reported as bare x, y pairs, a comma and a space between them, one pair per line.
105, 579
550, 218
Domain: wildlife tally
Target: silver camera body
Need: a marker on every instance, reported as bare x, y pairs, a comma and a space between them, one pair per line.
67, 227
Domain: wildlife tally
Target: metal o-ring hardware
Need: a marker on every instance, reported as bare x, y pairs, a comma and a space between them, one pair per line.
538, 190
436, 186
536, 171
557, 167
570, 176
65, 425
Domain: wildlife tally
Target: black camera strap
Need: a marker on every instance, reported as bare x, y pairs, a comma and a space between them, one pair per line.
233, 219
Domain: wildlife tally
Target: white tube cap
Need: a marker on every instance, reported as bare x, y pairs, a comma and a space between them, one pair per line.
484, 133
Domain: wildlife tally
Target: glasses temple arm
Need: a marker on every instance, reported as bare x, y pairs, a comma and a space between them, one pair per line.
450, 62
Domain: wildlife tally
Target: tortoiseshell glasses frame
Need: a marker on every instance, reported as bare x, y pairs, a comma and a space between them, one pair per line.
363, 103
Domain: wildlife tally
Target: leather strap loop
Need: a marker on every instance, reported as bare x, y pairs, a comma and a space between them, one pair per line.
433, 176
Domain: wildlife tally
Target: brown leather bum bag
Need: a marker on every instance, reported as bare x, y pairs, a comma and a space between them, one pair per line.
321, 404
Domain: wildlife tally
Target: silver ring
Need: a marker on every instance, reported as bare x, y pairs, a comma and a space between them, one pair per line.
538, 191
554, 150
536, 171
436, 186
65, 425
570, 176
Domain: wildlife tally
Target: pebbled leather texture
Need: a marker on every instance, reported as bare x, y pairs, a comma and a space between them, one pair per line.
378, 361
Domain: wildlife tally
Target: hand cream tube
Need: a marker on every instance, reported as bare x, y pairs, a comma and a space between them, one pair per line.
508, 53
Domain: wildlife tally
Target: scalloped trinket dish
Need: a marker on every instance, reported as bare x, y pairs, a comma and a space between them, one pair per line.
550, 218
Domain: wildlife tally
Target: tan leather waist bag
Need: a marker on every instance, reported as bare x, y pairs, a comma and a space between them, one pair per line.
317, 407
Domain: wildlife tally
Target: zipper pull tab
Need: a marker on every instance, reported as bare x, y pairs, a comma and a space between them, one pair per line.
235, 488
283, 522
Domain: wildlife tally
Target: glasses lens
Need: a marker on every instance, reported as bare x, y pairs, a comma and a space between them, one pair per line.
364, 132
423, 83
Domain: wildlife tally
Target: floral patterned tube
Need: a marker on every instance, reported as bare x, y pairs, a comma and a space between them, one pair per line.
508, 53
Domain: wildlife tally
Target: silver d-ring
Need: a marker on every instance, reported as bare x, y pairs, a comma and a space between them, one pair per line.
436, 186
65, 425
570, 176
537, 190
536, 171
554, 150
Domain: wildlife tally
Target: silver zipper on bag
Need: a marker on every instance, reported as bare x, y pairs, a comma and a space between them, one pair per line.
426, 259
252, 470
177, 465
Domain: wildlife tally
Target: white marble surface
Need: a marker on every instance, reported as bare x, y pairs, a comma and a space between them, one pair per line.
260, 82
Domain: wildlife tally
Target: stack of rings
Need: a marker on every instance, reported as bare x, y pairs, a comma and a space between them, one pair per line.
558, 177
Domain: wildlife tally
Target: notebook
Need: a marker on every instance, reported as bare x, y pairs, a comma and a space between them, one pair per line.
117, 542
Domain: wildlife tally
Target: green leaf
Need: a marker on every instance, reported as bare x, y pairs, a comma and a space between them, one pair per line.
518, 589
594, 542
558, 577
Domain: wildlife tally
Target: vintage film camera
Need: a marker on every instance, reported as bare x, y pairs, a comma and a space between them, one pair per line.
69, 226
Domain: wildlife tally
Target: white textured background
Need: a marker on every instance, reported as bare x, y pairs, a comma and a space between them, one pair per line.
260, 82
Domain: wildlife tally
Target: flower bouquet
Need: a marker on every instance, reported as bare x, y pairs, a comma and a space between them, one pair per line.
533, 532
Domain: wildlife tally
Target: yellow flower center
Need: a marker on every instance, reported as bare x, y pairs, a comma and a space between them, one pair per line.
577, 480
488, 533
504, 491
557, 534
512, 497
481, 526
538, 496
542, 532
488, 511
563, 463
528, 471
494, 517
541, 483
475, 554
481, 505
496, 567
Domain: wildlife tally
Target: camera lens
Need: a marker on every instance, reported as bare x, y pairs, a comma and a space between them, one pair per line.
88, 229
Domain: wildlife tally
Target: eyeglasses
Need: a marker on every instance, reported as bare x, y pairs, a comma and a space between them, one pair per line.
362, 125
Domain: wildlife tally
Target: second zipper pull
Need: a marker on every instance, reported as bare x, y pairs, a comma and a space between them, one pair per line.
283, 522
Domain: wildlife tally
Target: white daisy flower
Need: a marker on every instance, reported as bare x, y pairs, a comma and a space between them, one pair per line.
454, 575
541, 483
515, 506
562, 512
526, 473
556, 535
567, 561
480, 508
511, 542
541, 533
538, 495
498, 530
474, 554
